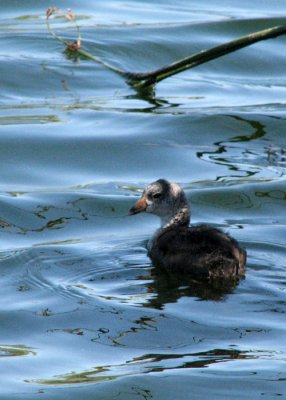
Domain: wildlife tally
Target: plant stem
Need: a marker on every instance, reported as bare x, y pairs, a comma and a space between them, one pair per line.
149, 79
143, 80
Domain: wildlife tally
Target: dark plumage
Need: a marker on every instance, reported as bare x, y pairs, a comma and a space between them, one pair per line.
199, 251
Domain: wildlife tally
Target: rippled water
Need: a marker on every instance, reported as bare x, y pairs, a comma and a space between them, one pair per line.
83, 313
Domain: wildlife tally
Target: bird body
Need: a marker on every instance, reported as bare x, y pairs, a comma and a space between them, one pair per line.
200, 251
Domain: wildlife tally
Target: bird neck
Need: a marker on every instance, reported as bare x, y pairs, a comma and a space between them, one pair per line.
180, 217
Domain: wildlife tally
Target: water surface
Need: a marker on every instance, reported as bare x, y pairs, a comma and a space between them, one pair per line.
83, 312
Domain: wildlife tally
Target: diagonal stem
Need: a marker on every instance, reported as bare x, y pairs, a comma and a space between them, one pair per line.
142, 80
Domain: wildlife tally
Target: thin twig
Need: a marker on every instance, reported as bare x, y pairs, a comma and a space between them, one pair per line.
76, 46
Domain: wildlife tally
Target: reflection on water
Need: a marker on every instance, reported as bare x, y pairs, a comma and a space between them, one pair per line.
169, 288
238, 154
83, 312
276, 155
152, 363
16, 351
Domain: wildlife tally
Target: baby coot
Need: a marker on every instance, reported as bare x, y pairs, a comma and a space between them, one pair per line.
200, 251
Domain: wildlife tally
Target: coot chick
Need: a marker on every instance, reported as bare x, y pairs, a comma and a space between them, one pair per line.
200, 251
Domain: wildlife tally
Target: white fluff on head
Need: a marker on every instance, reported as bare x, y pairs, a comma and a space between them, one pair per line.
172, 206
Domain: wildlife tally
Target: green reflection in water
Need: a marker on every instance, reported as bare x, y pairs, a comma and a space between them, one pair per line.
16, 350
157, 363
29, 119
272, 194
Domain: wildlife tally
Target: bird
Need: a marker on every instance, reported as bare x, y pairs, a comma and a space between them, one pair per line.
198, 251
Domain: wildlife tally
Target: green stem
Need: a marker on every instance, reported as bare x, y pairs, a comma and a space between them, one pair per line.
148, 79
55, 36
142, 80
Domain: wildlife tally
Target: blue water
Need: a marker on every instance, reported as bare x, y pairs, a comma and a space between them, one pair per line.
83, 313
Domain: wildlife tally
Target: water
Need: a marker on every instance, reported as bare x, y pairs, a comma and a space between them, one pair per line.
82, 311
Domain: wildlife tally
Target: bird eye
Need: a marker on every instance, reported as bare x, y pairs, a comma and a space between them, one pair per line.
156, 195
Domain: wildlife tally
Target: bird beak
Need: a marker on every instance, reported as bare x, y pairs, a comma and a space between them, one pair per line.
139, 206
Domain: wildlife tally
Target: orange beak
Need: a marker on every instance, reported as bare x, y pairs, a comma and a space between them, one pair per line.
138, 207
